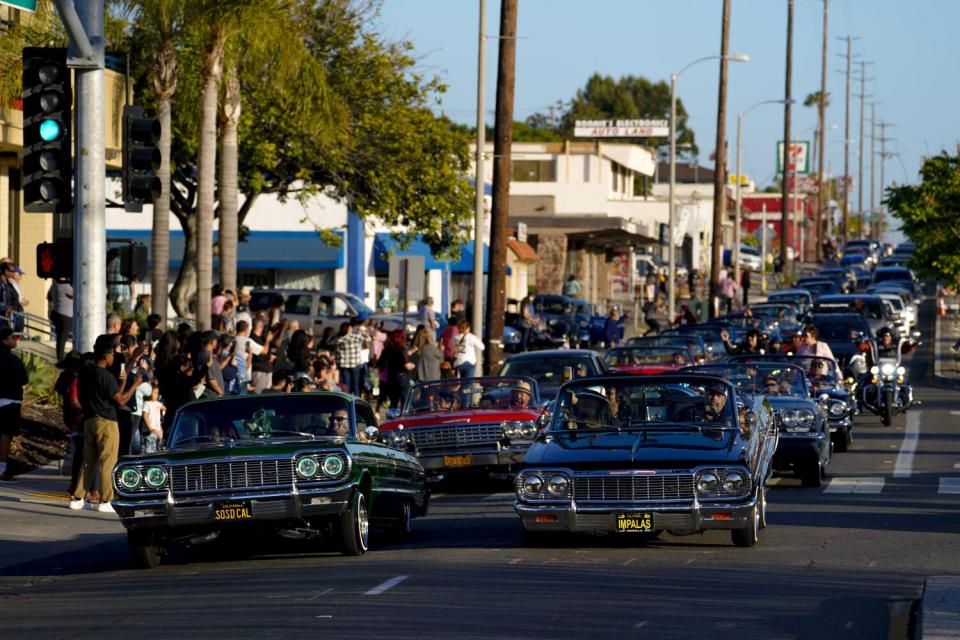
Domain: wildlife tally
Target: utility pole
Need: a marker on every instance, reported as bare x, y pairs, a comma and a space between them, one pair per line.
873, 174
788, 100
823, 197
503, 135
883, 162
479, 180
84, 25
863, 96
846, 145
719, 177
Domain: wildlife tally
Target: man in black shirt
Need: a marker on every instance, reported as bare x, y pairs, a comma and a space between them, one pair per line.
13, 375
100, 395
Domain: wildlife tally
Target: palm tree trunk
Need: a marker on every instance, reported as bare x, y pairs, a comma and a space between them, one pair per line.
165, 84
229, 226
206, 175
183, 296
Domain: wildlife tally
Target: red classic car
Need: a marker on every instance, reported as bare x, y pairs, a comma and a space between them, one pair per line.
648, 360
479, 424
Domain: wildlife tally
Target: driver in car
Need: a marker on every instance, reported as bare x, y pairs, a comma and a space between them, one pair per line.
711, 411
521, 395
590, 409
770, 386
340, 423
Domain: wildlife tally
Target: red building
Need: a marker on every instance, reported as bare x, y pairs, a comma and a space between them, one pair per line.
801, 228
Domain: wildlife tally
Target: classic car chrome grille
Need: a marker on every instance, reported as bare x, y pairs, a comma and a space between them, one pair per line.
467, 435
633, 488
219, 476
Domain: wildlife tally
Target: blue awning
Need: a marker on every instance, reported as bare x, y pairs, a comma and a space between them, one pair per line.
303, 250
384, 245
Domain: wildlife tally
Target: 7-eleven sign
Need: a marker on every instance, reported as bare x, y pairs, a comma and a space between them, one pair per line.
799, 157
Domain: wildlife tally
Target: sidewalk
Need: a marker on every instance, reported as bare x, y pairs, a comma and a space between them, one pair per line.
946, 364
37, 523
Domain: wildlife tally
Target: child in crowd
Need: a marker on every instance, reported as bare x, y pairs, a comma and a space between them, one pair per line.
153, 412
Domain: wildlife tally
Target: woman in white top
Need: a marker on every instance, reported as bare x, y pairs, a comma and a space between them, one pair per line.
466, 345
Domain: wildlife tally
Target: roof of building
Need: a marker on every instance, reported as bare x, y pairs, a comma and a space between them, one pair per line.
523, 251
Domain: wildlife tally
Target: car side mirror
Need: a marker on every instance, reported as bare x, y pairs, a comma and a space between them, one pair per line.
749, 421
372, 434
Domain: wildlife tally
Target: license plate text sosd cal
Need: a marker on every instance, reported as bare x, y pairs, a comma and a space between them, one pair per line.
634, 522
233, 511
458, 461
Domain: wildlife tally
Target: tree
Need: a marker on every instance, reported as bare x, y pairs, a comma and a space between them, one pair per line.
630, 97
930, 216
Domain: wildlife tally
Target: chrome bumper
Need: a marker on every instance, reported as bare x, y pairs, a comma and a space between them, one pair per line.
200, 509
694, 516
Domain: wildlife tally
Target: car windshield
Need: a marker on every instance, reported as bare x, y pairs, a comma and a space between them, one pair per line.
763, 378
818, 370
832, 329
637, 403
471, 393
640, 356
797, 298
883, 275
262, 417
551, 304
774, 310
687, 341
819, 288
359, 305
550, 369
870, 309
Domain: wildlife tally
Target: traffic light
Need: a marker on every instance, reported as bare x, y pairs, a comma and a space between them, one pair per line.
141, 158
47, 97
55, 259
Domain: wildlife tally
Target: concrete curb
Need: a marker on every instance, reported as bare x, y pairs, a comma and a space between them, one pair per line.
940, 609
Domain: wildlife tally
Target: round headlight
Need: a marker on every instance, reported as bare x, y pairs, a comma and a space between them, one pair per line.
901, 371
528, 430
307, 467
837, 408
805, 417
130, 478
333, 465
708, 482
734, 482
789, 418
155, 477
874, 369
558, 485
532, 484
509, 429
888, 369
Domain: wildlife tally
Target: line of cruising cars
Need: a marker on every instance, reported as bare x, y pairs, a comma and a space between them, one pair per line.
667, 433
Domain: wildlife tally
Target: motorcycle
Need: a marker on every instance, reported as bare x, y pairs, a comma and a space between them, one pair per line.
886, 391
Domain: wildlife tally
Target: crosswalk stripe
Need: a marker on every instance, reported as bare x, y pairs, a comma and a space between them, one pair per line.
904, 466
871, 484
949, 485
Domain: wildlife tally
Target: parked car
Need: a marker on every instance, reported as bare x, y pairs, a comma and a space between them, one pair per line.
321, 309
551, 368
804, 447
834, 394
482, 425
646, 360
645, 454
551, 309
303, 464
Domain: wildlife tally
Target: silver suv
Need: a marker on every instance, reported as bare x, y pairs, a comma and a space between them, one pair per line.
317, 309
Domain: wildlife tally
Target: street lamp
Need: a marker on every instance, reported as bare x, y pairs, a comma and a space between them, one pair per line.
736, 226
671, 249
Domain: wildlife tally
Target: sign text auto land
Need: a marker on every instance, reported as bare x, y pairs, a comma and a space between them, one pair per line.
621, 128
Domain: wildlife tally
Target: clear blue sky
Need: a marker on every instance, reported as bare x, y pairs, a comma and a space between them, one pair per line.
913, 46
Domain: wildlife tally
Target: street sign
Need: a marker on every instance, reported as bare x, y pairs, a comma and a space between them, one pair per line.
406, 277
621, 128
522, 231
799, 157
23, 5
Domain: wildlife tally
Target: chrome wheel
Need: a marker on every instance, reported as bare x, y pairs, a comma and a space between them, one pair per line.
363, 524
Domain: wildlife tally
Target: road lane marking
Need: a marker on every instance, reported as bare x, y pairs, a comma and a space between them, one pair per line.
949, 485
772, 482
872, 484
904, 465
955, 413
387, 584
640, 625
956, 465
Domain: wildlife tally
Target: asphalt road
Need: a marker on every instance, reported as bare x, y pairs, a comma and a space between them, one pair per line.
844, 561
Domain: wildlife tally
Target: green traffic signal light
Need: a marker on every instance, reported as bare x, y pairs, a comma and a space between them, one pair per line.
50, 130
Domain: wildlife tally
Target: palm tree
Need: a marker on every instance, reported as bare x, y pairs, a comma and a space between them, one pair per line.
229, 153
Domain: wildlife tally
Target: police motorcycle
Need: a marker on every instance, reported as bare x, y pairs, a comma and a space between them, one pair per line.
885, 390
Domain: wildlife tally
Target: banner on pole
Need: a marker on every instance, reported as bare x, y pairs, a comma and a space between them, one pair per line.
23, 5
799, 157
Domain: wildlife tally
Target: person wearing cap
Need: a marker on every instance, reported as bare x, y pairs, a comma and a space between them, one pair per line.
711, 411
100, 395
591, 409
521, 395
13, 377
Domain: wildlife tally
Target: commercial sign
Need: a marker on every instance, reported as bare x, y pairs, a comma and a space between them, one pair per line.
621, 128
799, 157
743, 179
522, 231
26, 5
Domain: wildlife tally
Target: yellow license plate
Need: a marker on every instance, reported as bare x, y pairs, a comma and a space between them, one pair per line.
458, 461
233, 511
634, 522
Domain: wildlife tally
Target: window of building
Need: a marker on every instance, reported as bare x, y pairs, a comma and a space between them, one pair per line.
534, 171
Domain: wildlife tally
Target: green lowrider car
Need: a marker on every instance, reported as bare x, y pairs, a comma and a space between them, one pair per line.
298, 465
